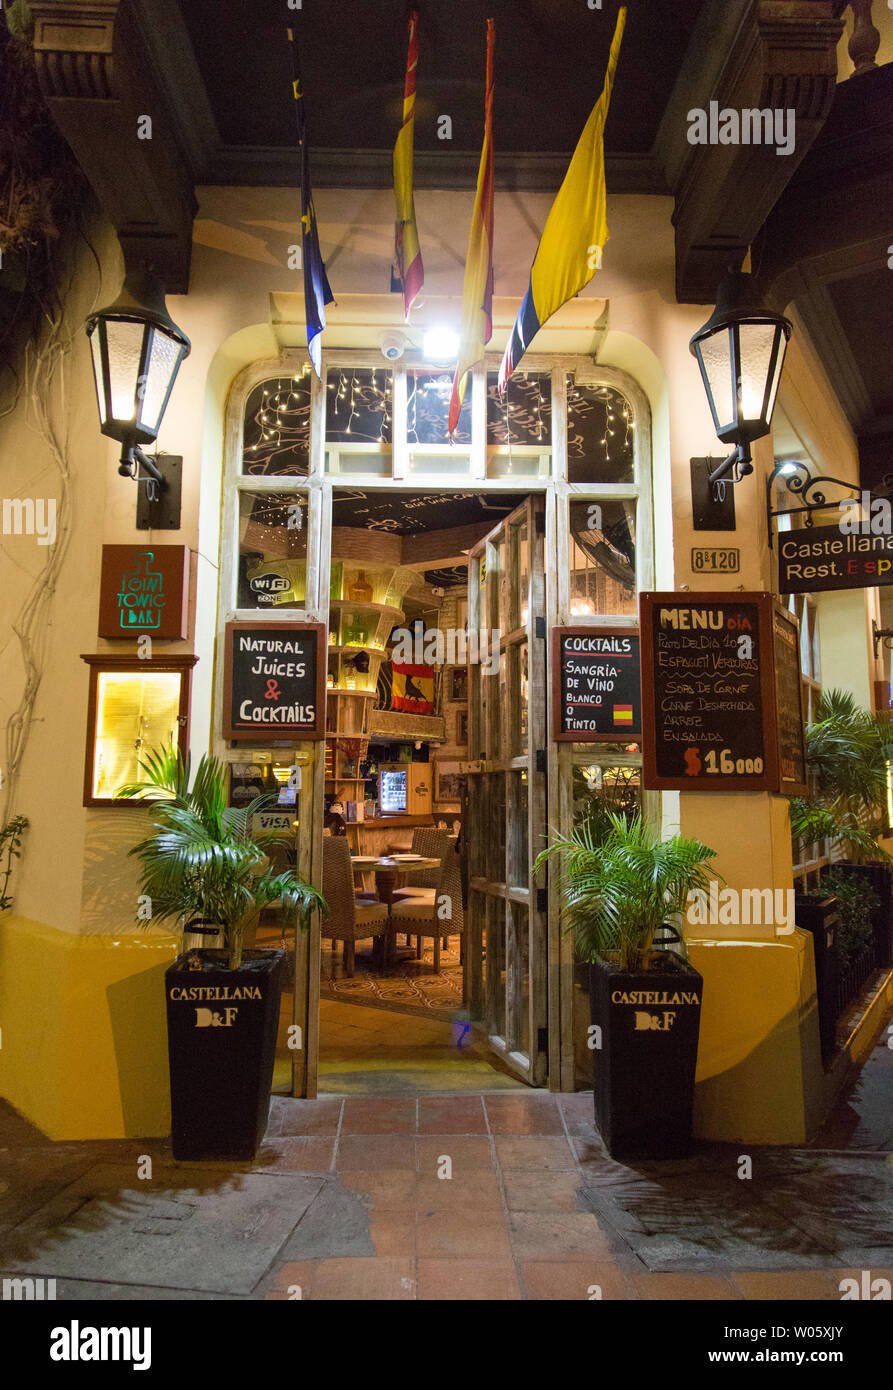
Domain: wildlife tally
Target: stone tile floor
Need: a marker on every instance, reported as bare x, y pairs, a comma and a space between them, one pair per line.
492, 1196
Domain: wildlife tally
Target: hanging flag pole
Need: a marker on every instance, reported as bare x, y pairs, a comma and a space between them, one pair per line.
409, 271
477, 297
317, 293
570, 249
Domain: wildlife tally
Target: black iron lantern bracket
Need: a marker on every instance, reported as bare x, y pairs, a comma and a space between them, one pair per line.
132, 459
881, 634
801, 483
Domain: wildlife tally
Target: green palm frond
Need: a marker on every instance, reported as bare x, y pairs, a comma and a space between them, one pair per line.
201, 859
620, 887
847, 752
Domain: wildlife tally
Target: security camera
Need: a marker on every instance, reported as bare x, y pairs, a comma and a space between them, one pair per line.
393, 346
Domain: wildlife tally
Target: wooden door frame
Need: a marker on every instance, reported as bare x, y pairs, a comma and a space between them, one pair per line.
494, 715
318, 487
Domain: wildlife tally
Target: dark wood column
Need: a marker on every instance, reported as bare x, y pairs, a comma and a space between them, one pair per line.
97, 74
780, 54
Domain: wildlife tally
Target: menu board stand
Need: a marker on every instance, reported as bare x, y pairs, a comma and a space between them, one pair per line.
718, 669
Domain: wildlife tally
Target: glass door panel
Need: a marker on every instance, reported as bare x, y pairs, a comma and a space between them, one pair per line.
507, 790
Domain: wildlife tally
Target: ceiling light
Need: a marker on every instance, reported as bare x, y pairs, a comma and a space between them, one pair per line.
441, 344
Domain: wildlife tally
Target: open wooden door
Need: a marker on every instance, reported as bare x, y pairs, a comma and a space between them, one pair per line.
506, 960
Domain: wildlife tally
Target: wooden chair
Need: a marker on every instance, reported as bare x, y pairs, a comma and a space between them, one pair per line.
348, 920
421, 884
420, 918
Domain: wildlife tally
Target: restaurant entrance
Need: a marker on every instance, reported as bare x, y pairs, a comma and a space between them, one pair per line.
432, 957
420, 565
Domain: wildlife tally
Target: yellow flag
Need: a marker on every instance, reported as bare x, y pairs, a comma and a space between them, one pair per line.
570, 249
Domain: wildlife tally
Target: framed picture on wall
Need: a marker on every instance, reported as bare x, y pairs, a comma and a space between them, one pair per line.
458, 683
449, 782
462, 728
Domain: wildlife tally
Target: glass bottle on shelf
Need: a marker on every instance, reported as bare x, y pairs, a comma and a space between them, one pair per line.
360, 591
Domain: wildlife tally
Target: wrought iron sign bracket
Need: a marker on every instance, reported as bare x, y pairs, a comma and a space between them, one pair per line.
881, 634
800, 482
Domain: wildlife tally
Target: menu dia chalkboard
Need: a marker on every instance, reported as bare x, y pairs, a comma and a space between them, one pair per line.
274, 682
596, 693
708, 690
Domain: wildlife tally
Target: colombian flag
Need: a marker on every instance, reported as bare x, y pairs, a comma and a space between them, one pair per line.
570, 249
317, 293
477, 302
407, 252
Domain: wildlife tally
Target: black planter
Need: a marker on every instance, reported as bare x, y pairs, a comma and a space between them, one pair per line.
881, 880
221, 1035
819, 915
644, 1071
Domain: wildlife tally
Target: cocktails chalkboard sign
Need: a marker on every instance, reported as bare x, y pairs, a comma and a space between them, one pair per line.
274, 682
708, 689
596, 694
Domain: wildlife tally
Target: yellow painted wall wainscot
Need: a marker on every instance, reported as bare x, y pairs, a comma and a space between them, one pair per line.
84, 1052
759, 1078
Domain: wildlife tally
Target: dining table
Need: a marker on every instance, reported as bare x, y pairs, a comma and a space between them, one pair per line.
388, 869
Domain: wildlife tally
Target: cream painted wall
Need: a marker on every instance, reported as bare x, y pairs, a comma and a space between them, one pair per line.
240, 261
47, 884
882, 19
845, 643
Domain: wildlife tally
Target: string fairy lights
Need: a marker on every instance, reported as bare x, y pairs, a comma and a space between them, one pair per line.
359, 411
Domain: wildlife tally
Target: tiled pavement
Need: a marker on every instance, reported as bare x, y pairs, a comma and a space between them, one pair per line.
496, 1196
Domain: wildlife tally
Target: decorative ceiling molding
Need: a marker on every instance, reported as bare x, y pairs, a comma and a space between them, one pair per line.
97, 78
784, 56
833, 224
176, 72
836, 214
252, 165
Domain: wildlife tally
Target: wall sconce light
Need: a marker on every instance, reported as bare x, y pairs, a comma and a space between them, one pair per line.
740, 351
137, 350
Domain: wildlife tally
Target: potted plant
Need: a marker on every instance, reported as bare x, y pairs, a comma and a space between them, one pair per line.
847, 751
623, 885
857, 903
202, 866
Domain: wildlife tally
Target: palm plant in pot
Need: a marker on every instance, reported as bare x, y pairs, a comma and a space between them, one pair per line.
201, 866
847, 751
623, 885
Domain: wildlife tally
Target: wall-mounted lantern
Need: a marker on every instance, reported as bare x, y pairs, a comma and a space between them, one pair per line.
740, 351
137, 350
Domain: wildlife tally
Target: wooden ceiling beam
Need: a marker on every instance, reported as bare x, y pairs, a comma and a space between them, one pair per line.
782, 56
97, 78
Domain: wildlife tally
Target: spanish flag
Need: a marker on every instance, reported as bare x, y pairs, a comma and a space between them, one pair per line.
407, 253
570, 249
477, 301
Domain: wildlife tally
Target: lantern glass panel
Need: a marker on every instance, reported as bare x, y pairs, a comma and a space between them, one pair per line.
125, 342
776, 376
716, 356
757, 343
163, 360
99, 373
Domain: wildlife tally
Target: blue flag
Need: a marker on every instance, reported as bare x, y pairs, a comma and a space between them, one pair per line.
317, 293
